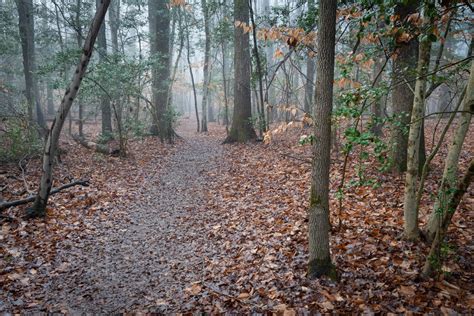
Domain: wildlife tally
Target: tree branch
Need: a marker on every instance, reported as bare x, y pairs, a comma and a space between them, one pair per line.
6, 205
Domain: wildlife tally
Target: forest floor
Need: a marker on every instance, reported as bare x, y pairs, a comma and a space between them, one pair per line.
200, 226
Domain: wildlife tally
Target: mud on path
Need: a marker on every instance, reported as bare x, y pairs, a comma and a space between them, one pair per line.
147, 260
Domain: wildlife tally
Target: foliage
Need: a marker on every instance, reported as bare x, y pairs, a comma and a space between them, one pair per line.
18, 139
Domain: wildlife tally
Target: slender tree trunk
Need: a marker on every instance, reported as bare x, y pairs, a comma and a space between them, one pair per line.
207, 50
46, 182
319, 253
310, 67
433, 259
49, 99
224, 84
191, 73
410, 207
402, 95
449, 179
27, 36
114, 22
260, 97
79, 44
376, 107
241, 129
104, 99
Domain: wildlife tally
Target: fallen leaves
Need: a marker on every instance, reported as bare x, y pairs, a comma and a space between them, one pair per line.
248, 235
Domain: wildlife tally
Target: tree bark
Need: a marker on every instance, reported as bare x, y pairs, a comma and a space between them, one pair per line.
27, 37
376, 107
46, 182
319, 253
241, 129
310, 67
207, 50
433, 259
410, 207
159, 24
449, 179
191, 73
402, 95
104, 99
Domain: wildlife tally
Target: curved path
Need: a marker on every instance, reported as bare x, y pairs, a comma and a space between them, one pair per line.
147, 260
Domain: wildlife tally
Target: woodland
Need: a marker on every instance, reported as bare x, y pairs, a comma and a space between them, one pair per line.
277, 157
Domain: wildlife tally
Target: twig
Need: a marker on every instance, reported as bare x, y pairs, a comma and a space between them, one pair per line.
6, 205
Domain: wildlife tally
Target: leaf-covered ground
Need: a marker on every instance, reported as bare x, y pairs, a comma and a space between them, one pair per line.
221, 228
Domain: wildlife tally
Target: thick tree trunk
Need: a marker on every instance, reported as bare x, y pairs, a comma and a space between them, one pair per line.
402, 95
159, 24
207, 51
241, 129
46, 182
104, 99
410, 207
27, 36
449, 179
319, 254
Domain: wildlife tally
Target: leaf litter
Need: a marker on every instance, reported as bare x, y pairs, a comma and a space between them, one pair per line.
200, 226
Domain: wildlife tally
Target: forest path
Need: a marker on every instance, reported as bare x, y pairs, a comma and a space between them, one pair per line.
148, 259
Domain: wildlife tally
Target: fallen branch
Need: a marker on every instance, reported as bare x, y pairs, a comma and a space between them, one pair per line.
6, 205
103, 149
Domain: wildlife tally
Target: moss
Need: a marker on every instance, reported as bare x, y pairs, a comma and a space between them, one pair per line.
322, 267
314, 199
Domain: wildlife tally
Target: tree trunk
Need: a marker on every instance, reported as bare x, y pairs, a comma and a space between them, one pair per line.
78, 26
433, 259
449, 179
159, 24
104, 99
241, 129
259, 96
319, 254
376, 107
46, 182
402, 95
114, 22
49, 99
191, 73
410, 207
310, 67
27, 36
207, 50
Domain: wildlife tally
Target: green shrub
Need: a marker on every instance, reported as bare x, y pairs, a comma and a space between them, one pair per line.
18, 138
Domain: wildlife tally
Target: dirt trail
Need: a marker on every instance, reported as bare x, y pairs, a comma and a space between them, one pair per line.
146, 260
